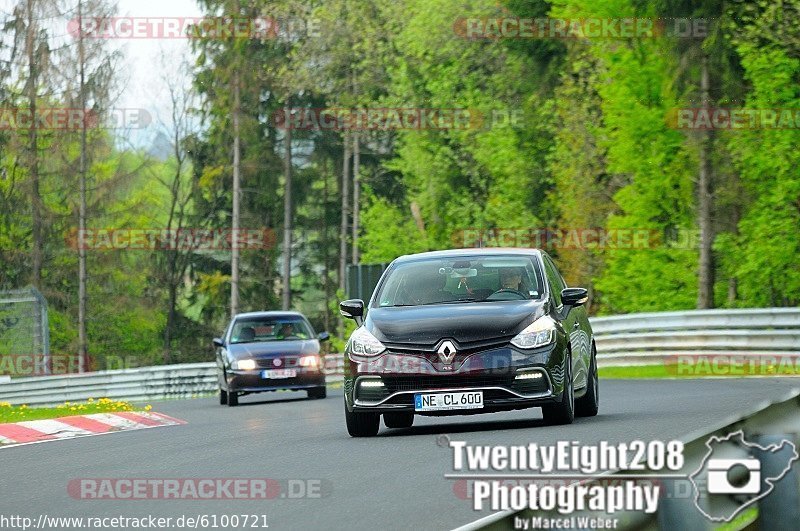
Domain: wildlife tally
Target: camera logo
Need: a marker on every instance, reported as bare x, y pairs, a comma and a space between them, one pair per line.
723, 479
730, 477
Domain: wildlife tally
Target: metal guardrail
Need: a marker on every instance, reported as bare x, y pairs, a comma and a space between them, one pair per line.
634, 339
650, 338
134, 385
764, 424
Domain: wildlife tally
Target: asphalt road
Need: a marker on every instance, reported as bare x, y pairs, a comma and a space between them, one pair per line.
393, 481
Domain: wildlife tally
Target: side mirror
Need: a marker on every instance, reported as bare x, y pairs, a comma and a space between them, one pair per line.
574, 296
217, 342
324, 336
352, 309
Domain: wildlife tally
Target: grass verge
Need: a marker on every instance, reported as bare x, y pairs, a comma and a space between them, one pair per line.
674, 371
9, 413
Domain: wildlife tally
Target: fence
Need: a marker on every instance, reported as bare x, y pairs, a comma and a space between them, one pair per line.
134, 385
24, 324
655, 338
635, 339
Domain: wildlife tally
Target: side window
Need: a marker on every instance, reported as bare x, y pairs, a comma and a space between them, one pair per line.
554, 279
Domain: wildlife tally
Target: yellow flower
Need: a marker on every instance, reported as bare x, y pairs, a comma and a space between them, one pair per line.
148, 407
90, 400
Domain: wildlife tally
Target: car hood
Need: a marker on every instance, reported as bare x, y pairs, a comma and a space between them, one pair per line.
268, 349
466, 323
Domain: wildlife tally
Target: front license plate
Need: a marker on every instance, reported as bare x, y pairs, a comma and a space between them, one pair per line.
276, 374
445, 401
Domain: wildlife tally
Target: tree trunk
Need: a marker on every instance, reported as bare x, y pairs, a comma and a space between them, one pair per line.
326, 281
83, 351
287, 212
236, 193
356, 195
33, 148
343, 229
705, 294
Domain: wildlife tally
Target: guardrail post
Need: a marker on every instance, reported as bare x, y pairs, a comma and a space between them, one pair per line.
780, 509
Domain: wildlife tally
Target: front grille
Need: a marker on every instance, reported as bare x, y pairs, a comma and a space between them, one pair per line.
269, 363
463, 349
413, 383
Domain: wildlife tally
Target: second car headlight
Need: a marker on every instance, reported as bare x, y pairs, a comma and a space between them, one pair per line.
539, 333
243, 365
362, 343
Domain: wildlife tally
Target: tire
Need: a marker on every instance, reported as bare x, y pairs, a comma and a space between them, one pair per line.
362, 424
233, 399
398, 420
319, 392
563, 412
223, 397
588, 404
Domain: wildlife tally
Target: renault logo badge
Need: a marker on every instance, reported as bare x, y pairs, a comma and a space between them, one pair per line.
447, 351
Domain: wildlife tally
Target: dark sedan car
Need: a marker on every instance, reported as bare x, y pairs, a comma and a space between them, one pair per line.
465, 332
269, 351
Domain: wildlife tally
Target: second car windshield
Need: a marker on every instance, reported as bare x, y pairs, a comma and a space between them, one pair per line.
249, 330
455, 280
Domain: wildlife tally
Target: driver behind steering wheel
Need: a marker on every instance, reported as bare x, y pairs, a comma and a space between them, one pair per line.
511, 278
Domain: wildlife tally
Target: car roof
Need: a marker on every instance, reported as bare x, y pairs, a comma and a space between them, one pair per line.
274, 313
475, 251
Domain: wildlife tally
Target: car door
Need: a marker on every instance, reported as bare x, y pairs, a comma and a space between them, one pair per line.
571, 324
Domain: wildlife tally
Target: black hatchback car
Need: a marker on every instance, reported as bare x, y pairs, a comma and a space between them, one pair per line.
269, 351
469, 331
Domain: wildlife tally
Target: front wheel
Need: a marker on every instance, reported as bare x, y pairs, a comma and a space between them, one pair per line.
563, 412
362, 424
233, 399
319, 392
588, 404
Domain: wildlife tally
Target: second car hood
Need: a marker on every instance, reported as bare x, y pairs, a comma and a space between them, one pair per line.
265, 349
466, 323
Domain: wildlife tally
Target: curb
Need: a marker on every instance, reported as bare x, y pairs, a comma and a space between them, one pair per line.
36, 431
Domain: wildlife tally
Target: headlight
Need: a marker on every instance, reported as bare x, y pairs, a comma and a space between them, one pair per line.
243, 365
311, 362
539, 333
362, 343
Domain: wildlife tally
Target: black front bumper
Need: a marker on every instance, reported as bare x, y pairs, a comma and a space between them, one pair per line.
252, 382
501, 387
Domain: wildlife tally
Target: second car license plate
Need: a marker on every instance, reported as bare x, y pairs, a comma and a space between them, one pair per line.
445, 401
275, 374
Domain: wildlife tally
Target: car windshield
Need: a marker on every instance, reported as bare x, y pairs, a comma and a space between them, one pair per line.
256, 329
460, 279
